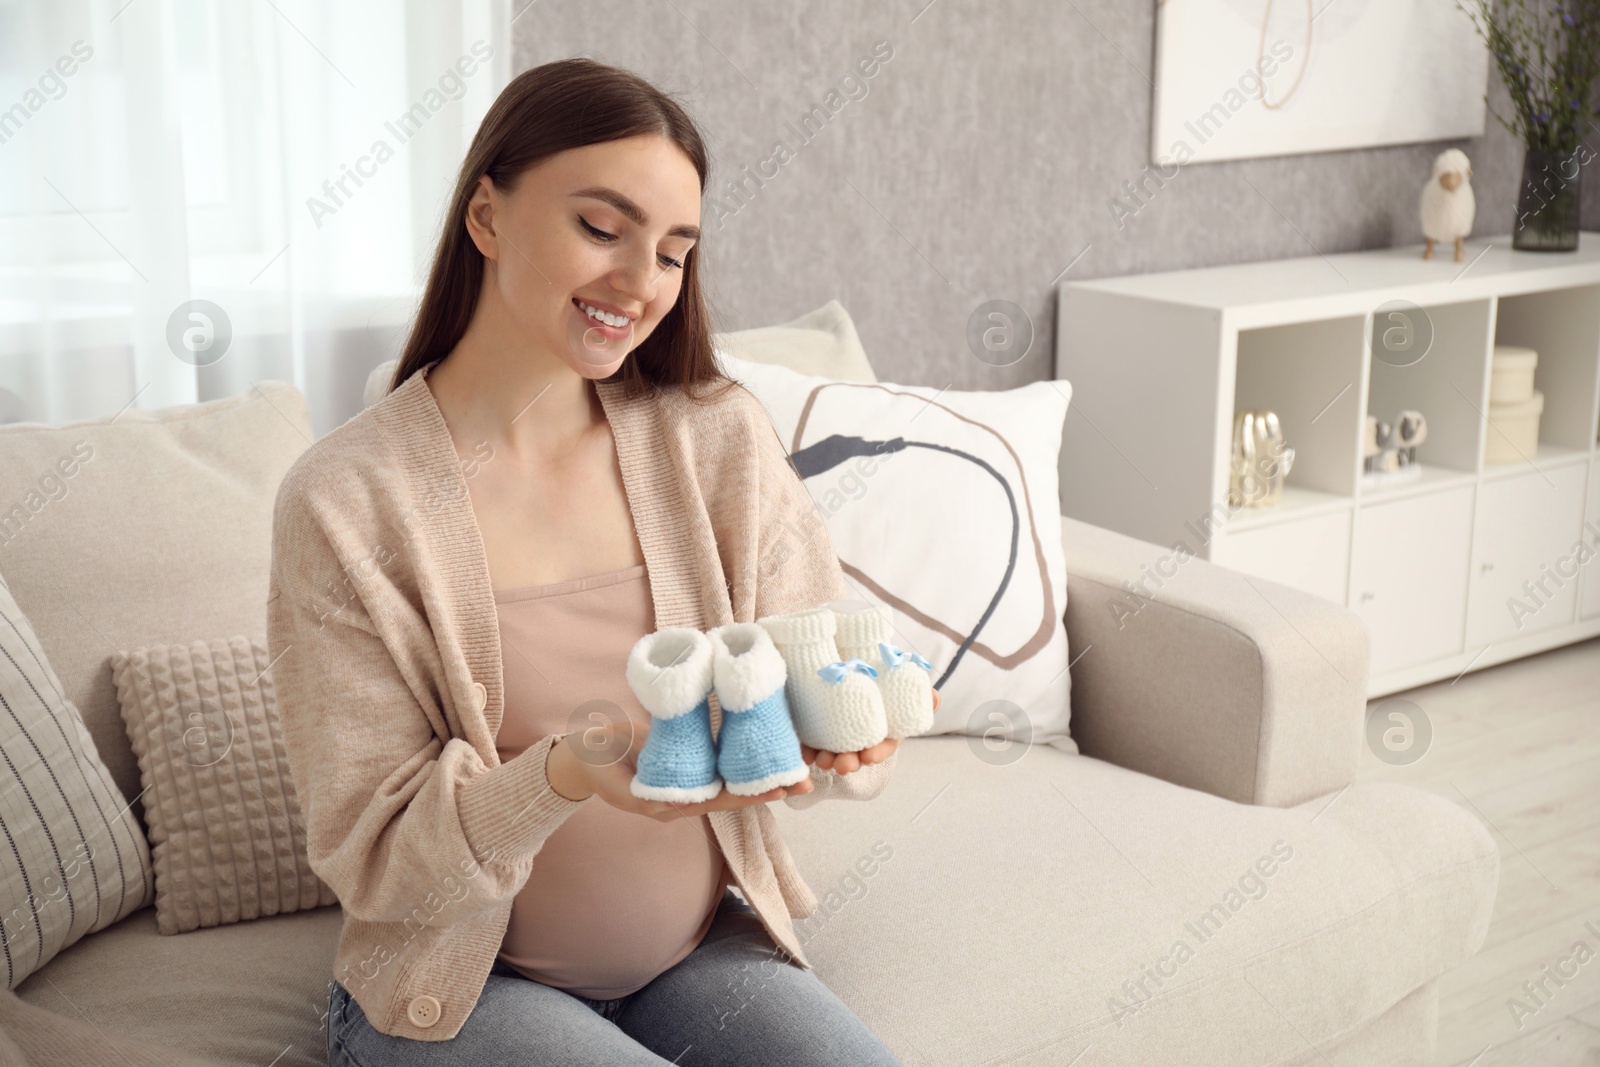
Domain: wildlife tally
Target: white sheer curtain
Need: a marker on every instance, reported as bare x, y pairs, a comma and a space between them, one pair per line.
268, 175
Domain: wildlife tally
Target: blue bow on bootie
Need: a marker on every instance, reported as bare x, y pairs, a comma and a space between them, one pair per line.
835, 671
894, 655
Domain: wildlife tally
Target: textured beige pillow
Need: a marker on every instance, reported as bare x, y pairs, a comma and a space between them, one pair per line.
226, 834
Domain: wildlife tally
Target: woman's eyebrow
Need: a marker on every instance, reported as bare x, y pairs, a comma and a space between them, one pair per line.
634, 213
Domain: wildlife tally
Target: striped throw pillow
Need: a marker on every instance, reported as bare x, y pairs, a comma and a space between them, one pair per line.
72, 857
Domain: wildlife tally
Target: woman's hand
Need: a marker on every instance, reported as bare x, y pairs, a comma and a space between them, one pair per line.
845, 762
600, 761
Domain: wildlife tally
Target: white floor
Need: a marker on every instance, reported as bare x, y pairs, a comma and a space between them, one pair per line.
1519, 746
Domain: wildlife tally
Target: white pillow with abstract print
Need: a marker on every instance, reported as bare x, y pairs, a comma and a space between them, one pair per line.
944, 508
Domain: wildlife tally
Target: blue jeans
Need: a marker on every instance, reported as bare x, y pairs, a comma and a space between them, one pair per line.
732, 1001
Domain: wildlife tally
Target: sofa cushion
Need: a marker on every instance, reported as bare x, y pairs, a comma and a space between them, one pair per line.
226, 834
977, 910
163, 534
37, 1037
74, 860
31, 1036
249, 994
992, 910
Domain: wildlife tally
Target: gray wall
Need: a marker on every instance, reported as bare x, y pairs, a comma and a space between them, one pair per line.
980, 162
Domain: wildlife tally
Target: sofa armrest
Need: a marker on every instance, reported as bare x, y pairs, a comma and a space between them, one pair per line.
1207, 678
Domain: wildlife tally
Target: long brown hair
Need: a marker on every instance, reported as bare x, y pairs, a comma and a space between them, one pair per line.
549, 109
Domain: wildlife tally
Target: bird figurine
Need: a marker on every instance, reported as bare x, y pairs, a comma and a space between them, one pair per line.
1447, 203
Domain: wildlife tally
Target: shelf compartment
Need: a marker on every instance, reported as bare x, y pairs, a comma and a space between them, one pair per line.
1563, 326
1447, 384
1309, 374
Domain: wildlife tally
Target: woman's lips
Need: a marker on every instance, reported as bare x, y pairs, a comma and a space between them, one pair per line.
610, 333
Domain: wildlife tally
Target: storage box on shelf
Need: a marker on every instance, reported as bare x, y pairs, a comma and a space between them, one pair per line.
1513, 430
1466, 563
1514, 405
1511, 376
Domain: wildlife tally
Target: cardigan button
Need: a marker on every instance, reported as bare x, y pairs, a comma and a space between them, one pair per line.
480, 696
423, 1011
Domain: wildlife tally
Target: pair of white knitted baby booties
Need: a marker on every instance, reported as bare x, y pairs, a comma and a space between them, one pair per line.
829, 678
849, 686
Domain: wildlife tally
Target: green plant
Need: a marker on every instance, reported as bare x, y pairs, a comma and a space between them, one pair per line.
1548, 54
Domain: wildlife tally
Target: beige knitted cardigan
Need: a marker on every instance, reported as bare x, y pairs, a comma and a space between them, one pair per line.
387, 674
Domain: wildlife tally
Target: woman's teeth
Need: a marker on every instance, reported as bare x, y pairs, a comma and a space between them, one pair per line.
614, 321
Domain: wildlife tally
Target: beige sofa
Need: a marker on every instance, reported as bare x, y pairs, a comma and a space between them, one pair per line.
1202, 885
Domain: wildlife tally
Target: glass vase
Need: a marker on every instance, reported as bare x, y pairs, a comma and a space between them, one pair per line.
1547, 207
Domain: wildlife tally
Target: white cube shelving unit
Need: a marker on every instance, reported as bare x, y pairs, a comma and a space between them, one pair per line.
1437, 567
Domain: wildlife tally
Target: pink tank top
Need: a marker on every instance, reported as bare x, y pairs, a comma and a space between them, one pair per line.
613, 899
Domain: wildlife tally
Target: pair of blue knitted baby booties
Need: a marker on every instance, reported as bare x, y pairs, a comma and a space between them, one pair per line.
823, 676
673, 672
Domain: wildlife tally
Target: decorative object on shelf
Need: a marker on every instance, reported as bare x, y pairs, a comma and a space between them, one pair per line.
1378, 448
1389, 449
1547, 206
1552, 100
1375, 451
1511, 374
1261, 460
1411, 429
1447, 203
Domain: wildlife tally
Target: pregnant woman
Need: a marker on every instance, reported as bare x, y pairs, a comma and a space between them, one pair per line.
459, 574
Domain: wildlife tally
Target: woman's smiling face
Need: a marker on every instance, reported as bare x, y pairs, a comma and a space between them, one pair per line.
607, 225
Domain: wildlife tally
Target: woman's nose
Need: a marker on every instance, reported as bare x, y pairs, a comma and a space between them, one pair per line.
637, 278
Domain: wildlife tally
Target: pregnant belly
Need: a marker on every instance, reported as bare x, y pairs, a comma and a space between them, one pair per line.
613, 899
